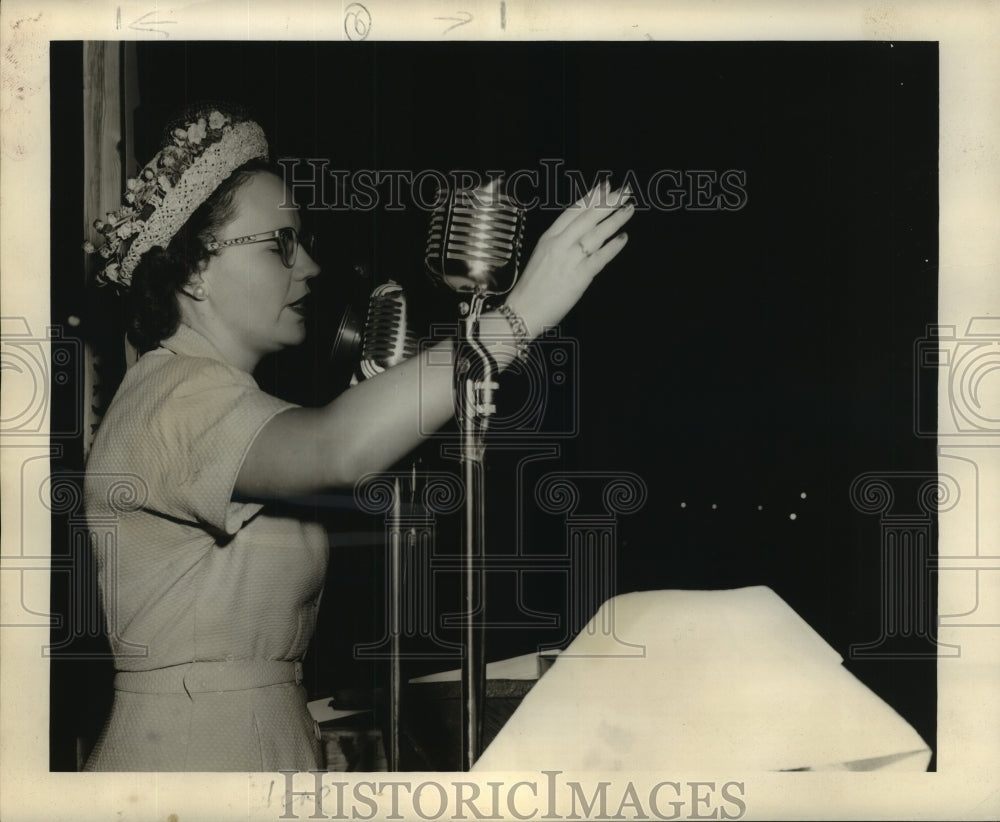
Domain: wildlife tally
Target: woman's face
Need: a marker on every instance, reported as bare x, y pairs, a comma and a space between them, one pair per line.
257, 303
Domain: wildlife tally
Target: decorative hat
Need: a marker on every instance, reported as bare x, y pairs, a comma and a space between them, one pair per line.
206, 148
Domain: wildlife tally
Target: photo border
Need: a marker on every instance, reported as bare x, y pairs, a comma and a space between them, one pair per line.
968, 751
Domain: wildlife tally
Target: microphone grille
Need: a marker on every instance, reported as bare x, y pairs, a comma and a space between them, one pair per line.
388, 340
474, 240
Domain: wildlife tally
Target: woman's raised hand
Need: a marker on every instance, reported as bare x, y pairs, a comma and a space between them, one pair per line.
582, 240
376, 423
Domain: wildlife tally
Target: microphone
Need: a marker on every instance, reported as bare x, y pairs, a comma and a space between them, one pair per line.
474, 241
388, 340
474, 247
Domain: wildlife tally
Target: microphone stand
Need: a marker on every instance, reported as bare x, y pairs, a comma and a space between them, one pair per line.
474, 382
474, 239
402, 539
395, 625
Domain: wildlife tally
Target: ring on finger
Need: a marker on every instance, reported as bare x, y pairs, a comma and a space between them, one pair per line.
587, 252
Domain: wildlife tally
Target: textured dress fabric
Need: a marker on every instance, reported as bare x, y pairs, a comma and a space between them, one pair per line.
209, 602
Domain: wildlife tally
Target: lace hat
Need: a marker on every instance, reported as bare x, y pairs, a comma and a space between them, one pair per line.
199, 153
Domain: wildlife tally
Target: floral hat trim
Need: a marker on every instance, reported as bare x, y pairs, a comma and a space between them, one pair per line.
168, 190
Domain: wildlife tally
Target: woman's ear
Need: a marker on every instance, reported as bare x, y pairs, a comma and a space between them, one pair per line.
195, 288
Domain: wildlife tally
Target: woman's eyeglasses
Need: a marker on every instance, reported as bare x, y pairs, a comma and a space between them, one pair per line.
288, 240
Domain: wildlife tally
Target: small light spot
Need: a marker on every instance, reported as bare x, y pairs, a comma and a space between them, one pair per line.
760, 507
793, 516
714, 506
803, 495
73, 321
684, 505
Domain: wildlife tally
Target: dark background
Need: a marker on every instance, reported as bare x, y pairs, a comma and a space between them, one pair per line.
729, 358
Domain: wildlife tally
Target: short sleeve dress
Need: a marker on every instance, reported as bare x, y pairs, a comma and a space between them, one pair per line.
209, 603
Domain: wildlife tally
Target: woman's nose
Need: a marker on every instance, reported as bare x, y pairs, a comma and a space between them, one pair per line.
305, 266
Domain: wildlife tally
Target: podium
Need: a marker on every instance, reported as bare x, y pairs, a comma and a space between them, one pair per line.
676, 681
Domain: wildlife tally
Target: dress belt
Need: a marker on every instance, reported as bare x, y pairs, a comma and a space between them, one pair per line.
207, 677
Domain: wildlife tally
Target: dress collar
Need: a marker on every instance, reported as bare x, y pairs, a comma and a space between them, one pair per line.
190, 343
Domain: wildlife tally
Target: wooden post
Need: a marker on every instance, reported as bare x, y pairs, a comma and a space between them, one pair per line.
102, 179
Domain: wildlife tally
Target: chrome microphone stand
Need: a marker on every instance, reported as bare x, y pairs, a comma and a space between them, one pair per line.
473, 248
395, 623
475, 373
388, 341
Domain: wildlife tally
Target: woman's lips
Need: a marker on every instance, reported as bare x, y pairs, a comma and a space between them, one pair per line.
299, 306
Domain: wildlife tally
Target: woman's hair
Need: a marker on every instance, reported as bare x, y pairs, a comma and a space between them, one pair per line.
153, 309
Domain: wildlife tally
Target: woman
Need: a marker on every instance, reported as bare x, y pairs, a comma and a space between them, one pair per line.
211, 598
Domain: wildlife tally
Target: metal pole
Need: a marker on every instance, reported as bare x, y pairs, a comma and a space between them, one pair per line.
474, 385
395, 592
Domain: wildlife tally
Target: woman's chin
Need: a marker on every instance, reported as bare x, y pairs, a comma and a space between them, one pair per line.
297, 338
291, 333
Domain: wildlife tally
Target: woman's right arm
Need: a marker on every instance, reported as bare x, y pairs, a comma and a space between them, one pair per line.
376, 423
